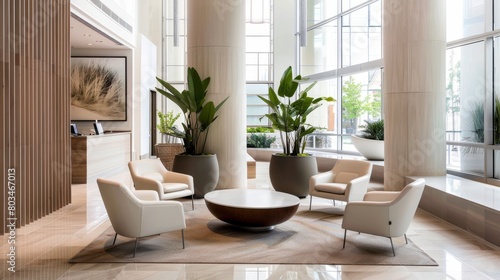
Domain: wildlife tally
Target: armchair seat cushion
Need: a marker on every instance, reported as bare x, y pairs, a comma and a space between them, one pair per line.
174, 187
336, 188
153, 175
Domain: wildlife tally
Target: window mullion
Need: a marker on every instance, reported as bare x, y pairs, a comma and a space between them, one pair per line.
488, 107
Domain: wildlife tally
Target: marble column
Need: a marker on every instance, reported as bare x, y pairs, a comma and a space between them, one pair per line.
216, 48
414, 42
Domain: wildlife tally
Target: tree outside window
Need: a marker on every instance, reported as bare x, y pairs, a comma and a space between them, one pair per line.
355, 105
352, 105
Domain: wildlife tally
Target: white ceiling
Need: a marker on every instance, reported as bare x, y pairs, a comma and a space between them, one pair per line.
83, 35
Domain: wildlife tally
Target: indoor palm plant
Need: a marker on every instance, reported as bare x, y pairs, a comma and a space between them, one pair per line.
289, 112
199, 114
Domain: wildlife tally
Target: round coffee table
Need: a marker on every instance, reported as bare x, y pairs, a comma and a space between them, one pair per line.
252, 209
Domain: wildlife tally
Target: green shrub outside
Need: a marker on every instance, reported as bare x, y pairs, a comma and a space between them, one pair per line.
260, 140
260, 129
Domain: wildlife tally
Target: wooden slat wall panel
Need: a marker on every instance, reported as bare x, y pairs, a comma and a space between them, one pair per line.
3, 115
35, 104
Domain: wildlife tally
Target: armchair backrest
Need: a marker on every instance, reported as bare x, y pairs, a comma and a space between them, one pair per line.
124, 209
147, 166
403, 207
345, 170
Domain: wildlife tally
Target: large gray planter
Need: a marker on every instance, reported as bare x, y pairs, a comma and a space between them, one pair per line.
203, 168
291, 174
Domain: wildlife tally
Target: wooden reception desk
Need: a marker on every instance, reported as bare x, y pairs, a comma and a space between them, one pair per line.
96, 156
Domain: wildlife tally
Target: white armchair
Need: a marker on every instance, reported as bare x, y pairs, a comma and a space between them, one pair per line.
384, 213
140, 213
347, 181
150, 174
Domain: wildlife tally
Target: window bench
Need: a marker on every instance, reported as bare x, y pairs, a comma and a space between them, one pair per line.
467, 204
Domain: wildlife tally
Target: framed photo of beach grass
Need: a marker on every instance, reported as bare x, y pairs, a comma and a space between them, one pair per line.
98, 88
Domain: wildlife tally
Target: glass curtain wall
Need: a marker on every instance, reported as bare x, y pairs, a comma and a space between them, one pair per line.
259, 58
174, 41
343, 54
472, 88
465, 90
174, 46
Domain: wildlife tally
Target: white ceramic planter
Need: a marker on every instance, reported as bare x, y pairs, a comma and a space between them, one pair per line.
370, 149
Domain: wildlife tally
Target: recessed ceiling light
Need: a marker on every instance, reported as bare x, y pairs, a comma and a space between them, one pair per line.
86, 35
90, 44
98, 41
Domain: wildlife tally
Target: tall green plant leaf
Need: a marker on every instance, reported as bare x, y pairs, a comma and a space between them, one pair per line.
198, 114
289, 112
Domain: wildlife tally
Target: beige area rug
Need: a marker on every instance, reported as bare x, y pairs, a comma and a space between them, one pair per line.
309, 237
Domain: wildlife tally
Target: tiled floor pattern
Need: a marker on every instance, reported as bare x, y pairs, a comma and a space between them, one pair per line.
44, 247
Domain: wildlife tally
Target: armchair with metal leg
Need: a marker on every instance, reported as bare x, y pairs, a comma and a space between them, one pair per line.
347, 181
140, 213
150, 174
384, 213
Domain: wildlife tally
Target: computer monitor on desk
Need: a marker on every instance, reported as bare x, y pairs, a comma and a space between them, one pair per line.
74, 130
98, 128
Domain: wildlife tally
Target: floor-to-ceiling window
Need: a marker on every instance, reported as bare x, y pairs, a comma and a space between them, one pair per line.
465, 89
472, 88
343, 54
259, 58
174, 60
174, 41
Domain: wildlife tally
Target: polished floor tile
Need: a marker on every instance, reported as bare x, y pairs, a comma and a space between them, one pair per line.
45, 246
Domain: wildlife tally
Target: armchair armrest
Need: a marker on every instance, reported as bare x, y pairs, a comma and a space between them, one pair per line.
380, 196
162, 216
144, 183
146, 195
357, 188
368, 217
320, 178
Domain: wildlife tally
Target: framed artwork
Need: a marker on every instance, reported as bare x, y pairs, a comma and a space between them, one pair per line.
98, 88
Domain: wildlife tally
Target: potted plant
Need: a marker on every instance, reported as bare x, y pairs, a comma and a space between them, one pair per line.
199, 114
166, 126
370, 143
169, 147
290, 171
